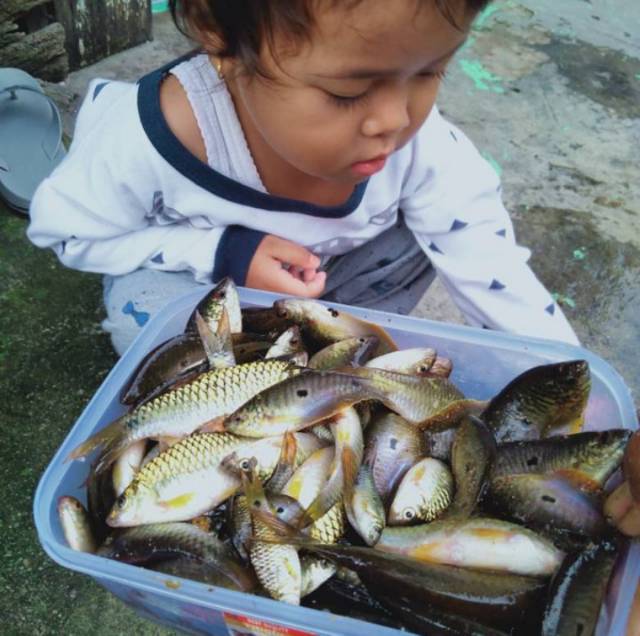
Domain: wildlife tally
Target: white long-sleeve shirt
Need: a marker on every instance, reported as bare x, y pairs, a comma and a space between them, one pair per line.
129, 195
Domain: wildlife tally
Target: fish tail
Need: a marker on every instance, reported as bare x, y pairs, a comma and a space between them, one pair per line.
108, 436
281, 531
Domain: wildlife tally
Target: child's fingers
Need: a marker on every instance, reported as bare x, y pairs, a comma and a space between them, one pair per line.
618, 503
289, 284
308, 275
630, 523
289, 252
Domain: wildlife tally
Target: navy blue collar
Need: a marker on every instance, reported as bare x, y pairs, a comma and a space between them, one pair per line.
168, 145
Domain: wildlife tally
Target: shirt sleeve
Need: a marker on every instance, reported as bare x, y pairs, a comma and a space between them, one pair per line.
107, 207
452, 203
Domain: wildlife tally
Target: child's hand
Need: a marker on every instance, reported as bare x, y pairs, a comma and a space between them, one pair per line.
282, 266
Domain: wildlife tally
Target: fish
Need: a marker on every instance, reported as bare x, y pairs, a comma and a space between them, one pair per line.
158, 541
181, 411
496, 598
217, 345
265, 321
349, 352
631, 465
239, 519
299, 402
472, 454
277, 567
595, 454
76, 525
364, 507
223, 297
392, 447
539, 401
176, 360
577, 592
189, 478
310, 476
289, 341
551, 504
194, 570
327, 325
315, 572
127, 465
424, 493
349, 445
479, 542
415, 361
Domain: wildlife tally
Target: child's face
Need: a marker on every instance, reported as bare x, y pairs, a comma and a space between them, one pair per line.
355, 94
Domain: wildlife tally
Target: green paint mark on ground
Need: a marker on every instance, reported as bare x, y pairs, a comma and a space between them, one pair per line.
494, 164
483, 79
485, 15
580, 254
564, 300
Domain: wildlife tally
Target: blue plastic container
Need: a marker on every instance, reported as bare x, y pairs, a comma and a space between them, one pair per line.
484, 361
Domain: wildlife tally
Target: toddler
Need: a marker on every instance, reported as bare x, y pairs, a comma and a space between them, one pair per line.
298, 150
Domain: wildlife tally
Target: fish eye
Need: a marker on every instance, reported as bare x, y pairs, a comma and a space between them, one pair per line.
256, 503
334, 312
281, 313
120, 501
279, 510
409, 514
423, 368
302, 392
245, 464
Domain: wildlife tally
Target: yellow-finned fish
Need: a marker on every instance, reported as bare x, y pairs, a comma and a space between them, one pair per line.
189, 478
288, 342
76, 526
349, 352
276, 566
181, 411
327, 325
364, 507
127, 465
415, 361
479, 543
423, 494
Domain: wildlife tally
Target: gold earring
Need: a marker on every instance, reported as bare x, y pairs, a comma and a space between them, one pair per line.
218, 66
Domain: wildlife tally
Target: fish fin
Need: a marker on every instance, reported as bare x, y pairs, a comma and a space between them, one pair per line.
579, 480
177, 502
216, 425
286, 464
350, 468
451, 413
109, 435
218, 346
281, 531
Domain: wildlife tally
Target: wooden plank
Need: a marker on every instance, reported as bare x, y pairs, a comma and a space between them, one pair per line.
98, 28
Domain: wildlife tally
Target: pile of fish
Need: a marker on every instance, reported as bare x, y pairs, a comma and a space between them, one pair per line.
294, 452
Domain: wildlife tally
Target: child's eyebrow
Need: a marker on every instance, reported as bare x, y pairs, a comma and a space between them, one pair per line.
367, 73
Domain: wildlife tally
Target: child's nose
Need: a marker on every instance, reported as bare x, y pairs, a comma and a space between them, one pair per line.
389, 113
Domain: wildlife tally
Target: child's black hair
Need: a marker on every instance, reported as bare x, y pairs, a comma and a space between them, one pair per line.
239, 27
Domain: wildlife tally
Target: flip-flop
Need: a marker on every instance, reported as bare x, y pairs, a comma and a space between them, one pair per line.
30, 137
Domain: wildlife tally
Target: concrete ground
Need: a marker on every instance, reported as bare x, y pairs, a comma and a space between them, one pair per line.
549, 92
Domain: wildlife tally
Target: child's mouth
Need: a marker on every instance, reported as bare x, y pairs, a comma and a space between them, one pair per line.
367, 168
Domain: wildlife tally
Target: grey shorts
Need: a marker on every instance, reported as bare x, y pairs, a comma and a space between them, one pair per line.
389, 273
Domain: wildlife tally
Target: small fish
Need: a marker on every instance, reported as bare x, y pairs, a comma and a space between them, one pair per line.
224, 296
416, 361
179, 412
423, 494
551, 504
277, 566
127, 465
495, 598
364, 508
76, 525
195, 570
479, 543
176, 360
315, 572
349, 352
327, 325
577, 592
472, 455
540, 400
265, 321
349, 445
189, 478
392, 447
171, 540
289, 341
596, 454
217, 345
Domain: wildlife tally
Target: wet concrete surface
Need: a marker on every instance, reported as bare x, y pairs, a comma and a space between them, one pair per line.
548, 91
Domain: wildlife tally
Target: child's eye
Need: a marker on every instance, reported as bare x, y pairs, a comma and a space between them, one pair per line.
346, 101
434, 74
